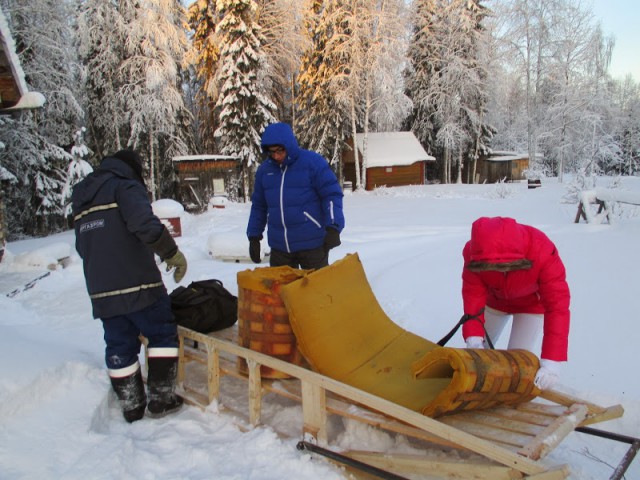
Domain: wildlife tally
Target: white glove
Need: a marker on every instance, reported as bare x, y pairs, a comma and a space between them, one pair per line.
475, 342
548, 374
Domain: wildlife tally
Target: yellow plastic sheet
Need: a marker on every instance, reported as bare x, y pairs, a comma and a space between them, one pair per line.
344, 334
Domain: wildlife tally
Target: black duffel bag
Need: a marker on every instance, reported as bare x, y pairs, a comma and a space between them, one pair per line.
204, 306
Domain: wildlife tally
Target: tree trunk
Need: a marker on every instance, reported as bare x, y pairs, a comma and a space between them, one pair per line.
356, 159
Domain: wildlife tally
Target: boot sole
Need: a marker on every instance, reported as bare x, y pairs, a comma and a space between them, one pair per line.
163, 413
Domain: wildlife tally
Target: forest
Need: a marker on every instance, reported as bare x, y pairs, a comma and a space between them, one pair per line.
467, 77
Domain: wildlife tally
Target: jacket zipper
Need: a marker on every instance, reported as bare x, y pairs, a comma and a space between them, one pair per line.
284, 225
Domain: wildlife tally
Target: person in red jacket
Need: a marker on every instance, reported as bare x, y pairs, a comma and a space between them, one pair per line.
514, 270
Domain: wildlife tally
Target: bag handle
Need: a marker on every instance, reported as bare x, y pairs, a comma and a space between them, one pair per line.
465, 318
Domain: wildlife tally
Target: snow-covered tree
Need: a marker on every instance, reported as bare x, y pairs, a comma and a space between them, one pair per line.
281, 23
245, 110
35, 168
204, 57
34, 155
556, 58
132, 52
44, 34
323, 123
77, 169
447, 82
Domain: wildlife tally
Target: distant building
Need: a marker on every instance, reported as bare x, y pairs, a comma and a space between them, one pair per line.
202, 177
393, 159
502, 166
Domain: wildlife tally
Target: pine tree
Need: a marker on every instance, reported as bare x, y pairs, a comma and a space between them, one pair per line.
245, 110
34, 154
323, 121
77, 169
204, 56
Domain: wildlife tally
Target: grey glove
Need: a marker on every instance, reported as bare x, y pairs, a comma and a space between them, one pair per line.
179, 262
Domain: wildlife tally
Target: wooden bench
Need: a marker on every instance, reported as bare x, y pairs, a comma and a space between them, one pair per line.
604, 199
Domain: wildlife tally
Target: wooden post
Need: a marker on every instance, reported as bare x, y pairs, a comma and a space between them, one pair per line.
213, 372
255, 392
314, 411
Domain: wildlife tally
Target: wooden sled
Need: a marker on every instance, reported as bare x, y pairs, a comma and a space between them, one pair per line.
509, 442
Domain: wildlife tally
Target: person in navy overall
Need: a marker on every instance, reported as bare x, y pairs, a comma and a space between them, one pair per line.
117, 235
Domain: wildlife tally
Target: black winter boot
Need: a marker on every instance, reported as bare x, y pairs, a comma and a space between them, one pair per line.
161, 382
130, 392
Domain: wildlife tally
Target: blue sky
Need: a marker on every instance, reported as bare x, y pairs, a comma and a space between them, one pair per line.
621, 18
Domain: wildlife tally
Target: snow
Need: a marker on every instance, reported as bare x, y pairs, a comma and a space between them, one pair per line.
59, 421
389, 149
167, 208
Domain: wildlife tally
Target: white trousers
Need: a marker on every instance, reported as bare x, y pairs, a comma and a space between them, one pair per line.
526, 329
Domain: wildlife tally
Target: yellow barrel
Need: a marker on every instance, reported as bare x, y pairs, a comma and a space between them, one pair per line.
263, 321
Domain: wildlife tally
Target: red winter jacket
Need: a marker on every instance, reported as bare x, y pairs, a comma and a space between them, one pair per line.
541, 289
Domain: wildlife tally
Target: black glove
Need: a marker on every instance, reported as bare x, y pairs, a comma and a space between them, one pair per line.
331, 239
254, 249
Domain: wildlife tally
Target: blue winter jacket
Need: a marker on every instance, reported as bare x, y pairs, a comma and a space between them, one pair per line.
115, 226
298, 199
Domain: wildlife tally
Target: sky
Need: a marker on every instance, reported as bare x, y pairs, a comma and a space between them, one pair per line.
621, 18
58, 418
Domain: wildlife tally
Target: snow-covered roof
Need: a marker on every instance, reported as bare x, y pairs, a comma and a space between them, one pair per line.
504, 156
11, 70
388, 149
188, 158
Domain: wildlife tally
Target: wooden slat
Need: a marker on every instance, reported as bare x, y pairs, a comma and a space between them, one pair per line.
511, 440
548, 439
446, 469
595, 414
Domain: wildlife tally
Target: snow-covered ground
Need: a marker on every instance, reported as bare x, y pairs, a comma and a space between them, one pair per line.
57, 419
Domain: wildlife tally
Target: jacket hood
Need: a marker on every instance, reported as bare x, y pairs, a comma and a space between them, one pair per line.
497, 240
281, 134
87, 189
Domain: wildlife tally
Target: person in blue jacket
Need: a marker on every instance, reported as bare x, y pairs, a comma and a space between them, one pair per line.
117, 235
298, 198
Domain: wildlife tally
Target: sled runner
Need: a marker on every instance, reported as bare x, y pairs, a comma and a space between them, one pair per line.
365, 368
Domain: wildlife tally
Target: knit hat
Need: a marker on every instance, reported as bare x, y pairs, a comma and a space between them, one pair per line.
132, 159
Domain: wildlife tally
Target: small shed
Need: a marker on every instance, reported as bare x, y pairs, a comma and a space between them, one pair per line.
201, 177
502, 166
393, 159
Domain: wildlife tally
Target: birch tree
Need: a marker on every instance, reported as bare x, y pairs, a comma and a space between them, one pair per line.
447, 82
132, 53
561, 57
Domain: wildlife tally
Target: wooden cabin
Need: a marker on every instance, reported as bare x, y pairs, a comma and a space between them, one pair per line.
393, 159
202, 177
502, 166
